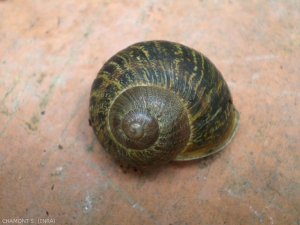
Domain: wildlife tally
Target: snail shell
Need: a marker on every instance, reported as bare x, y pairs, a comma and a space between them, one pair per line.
158, 101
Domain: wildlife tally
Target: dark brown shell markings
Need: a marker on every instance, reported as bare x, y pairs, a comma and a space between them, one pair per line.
158, 101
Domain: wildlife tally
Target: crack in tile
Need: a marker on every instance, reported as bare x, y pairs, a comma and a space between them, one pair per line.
132, 202
262, 88
9, 119
122, 193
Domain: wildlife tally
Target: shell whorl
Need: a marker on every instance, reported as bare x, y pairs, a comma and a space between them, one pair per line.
158, 101
146, 119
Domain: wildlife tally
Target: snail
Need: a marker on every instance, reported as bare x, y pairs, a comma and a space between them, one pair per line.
160, 101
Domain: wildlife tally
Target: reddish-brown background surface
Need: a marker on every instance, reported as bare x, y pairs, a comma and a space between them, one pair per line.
50, 161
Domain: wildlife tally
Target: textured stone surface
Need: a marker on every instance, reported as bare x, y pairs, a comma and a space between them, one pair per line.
51, 165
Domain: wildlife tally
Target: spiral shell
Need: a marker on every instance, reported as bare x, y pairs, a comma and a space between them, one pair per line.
158, 101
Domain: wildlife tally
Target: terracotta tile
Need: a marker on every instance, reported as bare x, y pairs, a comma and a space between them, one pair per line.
53, 167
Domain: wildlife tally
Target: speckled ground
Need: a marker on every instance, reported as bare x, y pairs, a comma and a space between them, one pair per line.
51, 165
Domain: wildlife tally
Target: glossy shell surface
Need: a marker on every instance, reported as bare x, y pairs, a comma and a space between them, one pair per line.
158, 101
